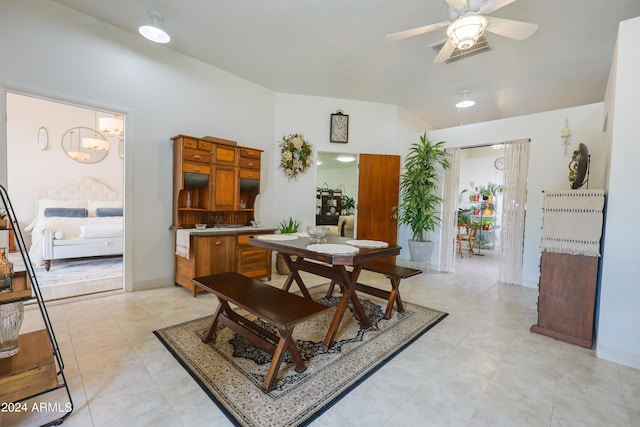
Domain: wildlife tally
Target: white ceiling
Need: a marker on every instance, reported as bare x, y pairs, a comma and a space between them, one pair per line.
336, 48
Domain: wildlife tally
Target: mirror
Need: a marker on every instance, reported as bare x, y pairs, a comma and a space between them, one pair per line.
43, 138
74, 146
337, 177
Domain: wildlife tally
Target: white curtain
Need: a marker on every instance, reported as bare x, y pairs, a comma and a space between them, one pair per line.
516, 161
449, 212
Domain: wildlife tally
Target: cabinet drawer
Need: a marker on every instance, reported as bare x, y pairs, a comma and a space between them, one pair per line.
196, 156
248, 152
196, 168
204, 145
189, 142
253, 262
225, 154
248, 163
250, 173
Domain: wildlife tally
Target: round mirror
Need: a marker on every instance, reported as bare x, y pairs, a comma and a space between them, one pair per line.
85, 145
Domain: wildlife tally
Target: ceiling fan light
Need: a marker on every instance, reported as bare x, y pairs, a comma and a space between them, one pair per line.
464, 32
153, 31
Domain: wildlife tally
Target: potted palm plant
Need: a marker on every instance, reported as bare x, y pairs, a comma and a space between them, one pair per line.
419, 198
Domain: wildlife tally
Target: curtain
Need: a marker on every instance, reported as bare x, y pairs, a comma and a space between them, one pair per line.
516, 161
450, 212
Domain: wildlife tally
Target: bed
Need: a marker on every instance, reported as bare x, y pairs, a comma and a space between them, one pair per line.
80, 218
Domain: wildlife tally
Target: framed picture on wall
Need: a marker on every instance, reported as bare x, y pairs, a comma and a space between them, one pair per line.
339, 127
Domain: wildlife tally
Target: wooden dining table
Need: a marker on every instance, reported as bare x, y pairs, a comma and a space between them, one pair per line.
299, 257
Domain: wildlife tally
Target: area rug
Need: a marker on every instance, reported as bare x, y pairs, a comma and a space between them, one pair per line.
231, 370
75, 270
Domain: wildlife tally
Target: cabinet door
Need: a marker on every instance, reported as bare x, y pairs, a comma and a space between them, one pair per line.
224, 188
215, 254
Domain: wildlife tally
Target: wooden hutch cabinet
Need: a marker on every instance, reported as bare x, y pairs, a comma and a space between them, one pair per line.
216, 182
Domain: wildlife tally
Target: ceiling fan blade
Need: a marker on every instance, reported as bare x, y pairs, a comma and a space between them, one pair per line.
416, 31
445, 52
516, 30
492, 5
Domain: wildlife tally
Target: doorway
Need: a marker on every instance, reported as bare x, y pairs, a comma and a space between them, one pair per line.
373, 182
51, 144
480, 206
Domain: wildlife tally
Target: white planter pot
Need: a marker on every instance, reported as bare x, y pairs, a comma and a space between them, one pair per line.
420, 251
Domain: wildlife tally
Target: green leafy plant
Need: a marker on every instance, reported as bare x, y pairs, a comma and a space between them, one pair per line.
289, 226
348, 202
419, 203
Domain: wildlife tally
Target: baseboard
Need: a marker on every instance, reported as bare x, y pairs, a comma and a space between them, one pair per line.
141, 285
618, 356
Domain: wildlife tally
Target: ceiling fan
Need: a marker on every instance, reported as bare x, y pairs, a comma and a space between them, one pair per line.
468, 24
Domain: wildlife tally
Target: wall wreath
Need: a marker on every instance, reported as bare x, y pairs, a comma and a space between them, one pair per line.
295, 155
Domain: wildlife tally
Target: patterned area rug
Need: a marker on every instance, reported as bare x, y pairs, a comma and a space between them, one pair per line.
231, 370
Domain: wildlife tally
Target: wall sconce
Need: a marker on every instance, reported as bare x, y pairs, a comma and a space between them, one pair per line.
43, 138
565, 134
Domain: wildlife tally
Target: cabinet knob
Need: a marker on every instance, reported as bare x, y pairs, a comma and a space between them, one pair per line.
197, 156
196, 169
251, 164
218, 243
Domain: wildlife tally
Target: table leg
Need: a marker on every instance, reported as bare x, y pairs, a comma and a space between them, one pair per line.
348, 294
294, 275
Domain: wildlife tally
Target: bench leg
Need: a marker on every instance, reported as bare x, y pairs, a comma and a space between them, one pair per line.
394, 296
285, 343
332, 285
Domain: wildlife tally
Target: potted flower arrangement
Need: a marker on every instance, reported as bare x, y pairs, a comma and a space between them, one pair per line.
420, 201
285, 227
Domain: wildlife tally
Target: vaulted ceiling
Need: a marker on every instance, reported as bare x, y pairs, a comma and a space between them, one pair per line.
336, 48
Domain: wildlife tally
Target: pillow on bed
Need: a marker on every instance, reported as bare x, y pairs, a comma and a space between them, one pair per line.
43, 204
66, 212
94, 205
109, 212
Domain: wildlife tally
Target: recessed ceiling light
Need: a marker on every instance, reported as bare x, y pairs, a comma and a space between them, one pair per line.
153, 32
345, 159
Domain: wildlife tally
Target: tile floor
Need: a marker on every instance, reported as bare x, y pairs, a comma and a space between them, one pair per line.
479, 367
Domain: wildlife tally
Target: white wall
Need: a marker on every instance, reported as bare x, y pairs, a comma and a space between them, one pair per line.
548, 166
618, 318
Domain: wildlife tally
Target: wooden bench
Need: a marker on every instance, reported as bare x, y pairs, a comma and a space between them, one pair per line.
275, 306
395, 274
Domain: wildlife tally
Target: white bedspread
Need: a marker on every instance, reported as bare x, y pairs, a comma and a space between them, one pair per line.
71, 229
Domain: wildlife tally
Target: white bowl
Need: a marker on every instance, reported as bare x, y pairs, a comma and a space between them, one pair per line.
201, 226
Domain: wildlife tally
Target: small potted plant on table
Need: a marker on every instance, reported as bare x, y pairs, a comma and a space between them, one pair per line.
285, 227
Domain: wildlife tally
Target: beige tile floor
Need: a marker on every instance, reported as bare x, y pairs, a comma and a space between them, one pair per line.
479, 367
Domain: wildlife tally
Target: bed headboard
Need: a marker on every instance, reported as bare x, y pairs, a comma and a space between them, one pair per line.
84, 188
